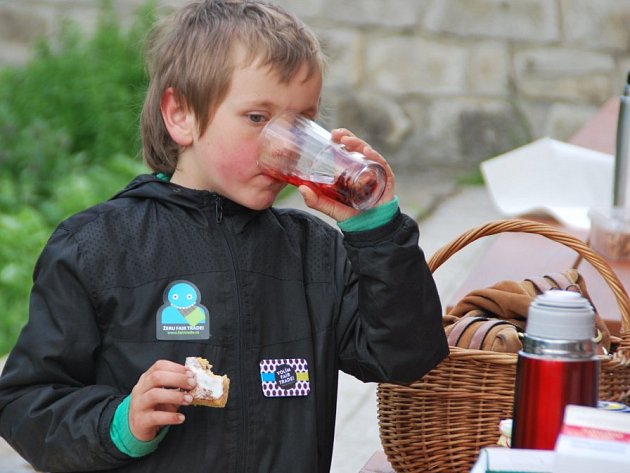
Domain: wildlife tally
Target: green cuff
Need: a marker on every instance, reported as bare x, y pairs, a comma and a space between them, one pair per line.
371, 218
123, 438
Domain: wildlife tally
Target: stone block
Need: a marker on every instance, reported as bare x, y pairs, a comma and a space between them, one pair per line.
535, 112
14, 54
531, 20
20, 24
390, 13
564, 120
431, 141
601, 24
376, 119
343, 49
408, 65
489, 69
565, 74
463, 131
304, 10
490, 130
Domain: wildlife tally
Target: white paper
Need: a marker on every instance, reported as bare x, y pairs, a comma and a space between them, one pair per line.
510, 460
553, 178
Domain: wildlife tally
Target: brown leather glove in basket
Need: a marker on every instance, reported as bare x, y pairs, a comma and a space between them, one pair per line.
494, 318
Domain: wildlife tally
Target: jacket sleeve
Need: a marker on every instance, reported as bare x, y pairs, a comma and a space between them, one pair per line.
390, 320
51, 411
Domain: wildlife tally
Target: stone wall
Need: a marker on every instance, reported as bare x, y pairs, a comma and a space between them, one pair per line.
430, 82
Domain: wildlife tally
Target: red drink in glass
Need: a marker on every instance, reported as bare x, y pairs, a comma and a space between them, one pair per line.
296, 150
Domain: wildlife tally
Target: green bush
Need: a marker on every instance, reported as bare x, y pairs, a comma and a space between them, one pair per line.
20, 240
92, 88
68, 139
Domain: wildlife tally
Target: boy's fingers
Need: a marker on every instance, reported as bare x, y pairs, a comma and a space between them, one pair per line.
160, 418
333, 209
145, 425
338, 133
167, 365
159, 396
169, 379
352, 143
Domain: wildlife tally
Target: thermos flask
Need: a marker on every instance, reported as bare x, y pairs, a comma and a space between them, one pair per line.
557, 366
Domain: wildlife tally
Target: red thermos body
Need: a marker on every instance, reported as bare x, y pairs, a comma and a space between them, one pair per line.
557, 366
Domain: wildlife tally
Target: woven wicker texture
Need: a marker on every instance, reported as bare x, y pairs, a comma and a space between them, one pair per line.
440, 422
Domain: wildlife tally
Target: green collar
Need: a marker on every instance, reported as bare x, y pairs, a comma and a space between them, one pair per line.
162, 176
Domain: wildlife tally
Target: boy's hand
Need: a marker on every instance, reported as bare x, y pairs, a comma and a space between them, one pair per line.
337, 210
155, 398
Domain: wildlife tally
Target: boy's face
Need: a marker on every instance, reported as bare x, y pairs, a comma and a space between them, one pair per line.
223, 159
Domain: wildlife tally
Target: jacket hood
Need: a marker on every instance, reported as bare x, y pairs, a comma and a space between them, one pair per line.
148, 186
191, 201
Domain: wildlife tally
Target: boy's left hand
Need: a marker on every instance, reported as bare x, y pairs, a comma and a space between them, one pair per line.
337, 210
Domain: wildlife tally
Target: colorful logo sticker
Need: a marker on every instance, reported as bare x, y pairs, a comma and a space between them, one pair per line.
182, 317
285, 377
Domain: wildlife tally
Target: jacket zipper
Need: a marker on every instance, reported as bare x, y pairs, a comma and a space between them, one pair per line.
242, 429
218, 208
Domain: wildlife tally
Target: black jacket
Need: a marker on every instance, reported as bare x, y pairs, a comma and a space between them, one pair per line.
274, 284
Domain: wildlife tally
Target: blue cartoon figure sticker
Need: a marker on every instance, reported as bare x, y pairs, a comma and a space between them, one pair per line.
182, 317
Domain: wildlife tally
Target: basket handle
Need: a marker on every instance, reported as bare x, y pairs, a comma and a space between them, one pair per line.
528, 226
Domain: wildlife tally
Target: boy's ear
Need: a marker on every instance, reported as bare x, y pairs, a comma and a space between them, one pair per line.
179, 121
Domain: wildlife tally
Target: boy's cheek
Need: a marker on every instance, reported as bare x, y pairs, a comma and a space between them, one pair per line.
242, 158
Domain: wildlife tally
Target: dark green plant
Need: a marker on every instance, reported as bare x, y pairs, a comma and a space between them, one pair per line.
93, 88
68, 139
21, 238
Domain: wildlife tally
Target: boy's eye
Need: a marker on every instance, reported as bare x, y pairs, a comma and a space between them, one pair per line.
256, 118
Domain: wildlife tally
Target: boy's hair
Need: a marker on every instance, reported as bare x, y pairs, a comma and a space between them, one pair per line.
193, 51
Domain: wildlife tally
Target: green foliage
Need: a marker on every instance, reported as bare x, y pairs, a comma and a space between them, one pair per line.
68, 139
92, 89
22, 236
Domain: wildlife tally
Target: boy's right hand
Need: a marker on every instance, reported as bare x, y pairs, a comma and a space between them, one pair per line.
156, 398
337, 210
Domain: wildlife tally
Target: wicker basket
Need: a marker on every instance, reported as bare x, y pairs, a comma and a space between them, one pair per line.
440, 422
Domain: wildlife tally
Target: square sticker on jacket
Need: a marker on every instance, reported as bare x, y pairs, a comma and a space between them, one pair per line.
182, 316
285, 377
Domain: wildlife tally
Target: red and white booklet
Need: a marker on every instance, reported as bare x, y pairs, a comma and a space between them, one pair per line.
593, 440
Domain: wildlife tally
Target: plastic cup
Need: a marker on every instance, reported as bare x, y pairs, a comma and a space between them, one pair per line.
298, 151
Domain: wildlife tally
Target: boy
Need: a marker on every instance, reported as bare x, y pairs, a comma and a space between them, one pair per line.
96, 380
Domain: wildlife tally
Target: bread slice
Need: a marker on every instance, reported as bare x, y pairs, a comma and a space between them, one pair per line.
211, 390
